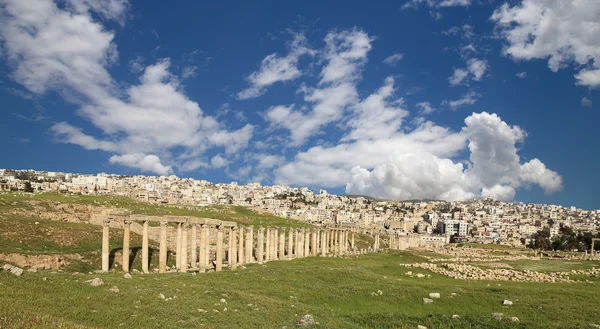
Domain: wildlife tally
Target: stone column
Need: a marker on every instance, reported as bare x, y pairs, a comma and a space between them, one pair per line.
178, 246
233, 247
307, 243
281, 243
352, 242
219, 256
162, 262
274, 243
297, 245
260, 245
203, 244
268, 244
105, 245
290, 248
323, 243
184, 244
313, 250
249, 243
194, 247
241, 259
145, 260
126, 236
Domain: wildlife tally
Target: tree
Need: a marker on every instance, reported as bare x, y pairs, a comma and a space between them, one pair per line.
541, 240
550, 222
28, 187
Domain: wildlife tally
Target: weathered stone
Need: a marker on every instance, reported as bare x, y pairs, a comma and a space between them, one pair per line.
498, 316
427, 300
507, 302
421, 327
95, 282
114, 289
455, 316
126, 276
514, 319
306, 320
434, 295
161, 296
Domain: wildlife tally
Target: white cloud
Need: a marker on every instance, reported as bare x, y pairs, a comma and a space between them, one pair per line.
563, 32
268, 161
458, 77
393, 59
136, 65
477, 67
275, 68
218, 161
67, 51
426, 108
145, 162
586, 102
189, 72
436, 3
536, 172
521, 75
468, 98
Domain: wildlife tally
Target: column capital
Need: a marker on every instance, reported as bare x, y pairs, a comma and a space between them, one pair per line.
127, 222
106, 222
234, 228
260, 228
164, 224
219, 227
203, 225
250, 227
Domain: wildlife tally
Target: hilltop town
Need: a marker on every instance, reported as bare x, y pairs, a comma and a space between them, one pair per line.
479, 221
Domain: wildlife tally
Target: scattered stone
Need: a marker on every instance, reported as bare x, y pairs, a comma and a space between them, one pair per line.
434, 295
202, 310
420, 275
514, 319
380, 292
216, 311
374, 294
95, 282
161, 296
306, 320
409, 273
44, 278
593, 325
498, 316
427, 300
507, 302
32, 270
126, 276
453, 294
421, 327
455, 316
114, 289
223, 301
13, 269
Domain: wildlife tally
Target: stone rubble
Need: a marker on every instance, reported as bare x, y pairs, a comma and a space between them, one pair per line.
95, 282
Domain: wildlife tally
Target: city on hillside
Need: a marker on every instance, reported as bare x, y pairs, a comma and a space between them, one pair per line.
476, 221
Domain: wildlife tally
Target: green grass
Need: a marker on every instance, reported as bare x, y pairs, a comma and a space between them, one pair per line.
238, 214
337, 292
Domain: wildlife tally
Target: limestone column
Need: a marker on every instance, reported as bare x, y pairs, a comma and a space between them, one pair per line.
219, 256
352, 242
260, 245
340, 234
203, 244
232, 248
193, 246
184, 244
145, 247
290, 248
268, 244
208, 263
178, 246
162, 262
126, 236
105, 245
241, 259
307, 243
281, 243
313, 250
249, 243
323, 243
318, 245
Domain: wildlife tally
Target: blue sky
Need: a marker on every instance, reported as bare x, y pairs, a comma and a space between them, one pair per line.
450, 99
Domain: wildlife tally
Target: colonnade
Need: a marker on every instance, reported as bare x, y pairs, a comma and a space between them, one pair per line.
200, 245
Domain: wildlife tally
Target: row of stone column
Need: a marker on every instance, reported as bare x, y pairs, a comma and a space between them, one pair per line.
270, 245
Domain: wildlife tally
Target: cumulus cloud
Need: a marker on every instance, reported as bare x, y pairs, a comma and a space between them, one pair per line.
218, 161
65, 49
562, 32
144, 162
275, 68
536, 172
393, 59
475, 69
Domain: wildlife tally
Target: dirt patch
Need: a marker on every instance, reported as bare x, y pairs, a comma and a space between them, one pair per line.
42, 262
498, 265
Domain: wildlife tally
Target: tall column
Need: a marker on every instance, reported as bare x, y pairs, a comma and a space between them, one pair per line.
241, 259
193, 246
260, 245
313, 250
249, 244
352, 242
105, 245
232, 248
145, 247
341, 242
203, 244
162, 254
281, 243
178, 246
219, 256
297, 246
323, 243
126, 236
307, 243
184, 244
274, 243
290, 248
268, 244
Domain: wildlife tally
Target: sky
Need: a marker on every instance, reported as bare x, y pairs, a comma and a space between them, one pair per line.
409, 99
